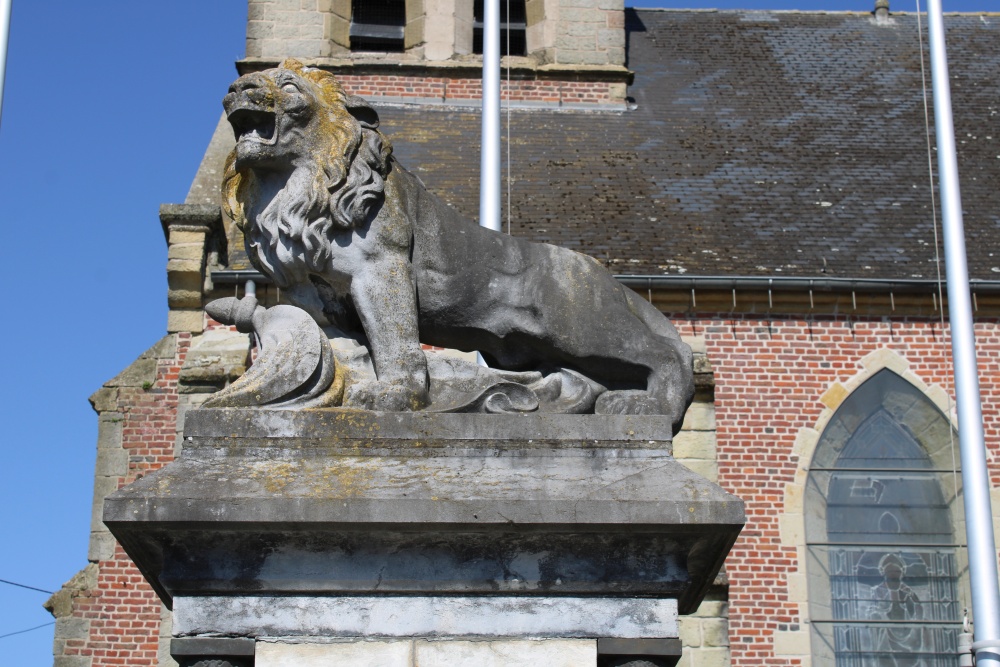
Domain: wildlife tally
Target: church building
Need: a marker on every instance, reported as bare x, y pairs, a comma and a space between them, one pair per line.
764, 178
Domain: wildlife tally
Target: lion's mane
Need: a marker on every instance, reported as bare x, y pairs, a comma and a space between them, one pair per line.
291, 235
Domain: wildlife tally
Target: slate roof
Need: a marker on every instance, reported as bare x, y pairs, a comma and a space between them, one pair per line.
761, 144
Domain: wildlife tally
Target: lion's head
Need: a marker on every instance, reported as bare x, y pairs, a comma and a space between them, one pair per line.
309, 162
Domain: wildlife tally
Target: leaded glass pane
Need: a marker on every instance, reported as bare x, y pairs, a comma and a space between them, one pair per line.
873, 644
894, 507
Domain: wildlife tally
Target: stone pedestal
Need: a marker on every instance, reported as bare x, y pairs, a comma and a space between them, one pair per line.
422, 535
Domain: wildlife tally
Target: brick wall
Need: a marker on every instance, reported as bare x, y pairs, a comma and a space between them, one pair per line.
773, 380
772, 383
447, 89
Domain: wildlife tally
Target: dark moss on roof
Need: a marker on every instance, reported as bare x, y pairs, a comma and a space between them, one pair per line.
761, 143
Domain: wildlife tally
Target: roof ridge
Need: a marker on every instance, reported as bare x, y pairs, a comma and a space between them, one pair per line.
710, 10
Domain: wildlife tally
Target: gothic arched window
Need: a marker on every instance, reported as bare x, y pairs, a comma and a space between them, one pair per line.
881, 532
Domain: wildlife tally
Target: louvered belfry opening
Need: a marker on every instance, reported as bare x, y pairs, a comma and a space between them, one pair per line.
513, 25
377, 25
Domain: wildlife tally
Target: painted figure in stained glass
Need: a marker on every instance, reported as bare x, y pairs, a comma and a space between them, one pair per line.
893, 600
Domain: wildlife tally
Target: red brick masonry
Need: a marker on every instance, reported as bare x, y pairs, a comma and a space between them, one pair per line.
444, 88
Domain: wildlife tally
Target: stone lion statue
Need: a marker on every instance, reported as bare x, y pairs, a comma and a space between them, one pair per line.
357, 241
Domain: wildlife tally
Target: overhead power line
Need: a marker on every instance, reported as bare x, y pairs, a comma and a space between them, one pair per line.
30, 588
21, 632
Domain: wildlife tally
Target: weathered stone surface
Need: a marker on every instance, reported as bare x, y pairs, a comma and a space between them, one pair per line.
103, 487
186, 320
186, 236
111, 463
338, 30
176, 268
712, 609
581, 57
426, 616
189, 251
715, 632
700, 417
341, 8
695, 445
217, 357
60, 604
294, 366
350, 502
522, 306
165, 348
708, 657
140, 372
104, 399
101, 545
185, 297
68, 627
702, 364
690, 631
428, 430
703, 468
71, 661
109, 433
792, 643
164, 639
194, 217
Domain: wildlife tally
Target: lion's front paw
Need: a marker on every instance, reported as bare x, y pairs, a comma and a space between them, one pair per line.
384, 397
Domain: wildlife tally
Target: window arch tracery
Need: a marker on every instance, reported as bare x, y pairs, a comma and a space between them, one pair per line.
880, 532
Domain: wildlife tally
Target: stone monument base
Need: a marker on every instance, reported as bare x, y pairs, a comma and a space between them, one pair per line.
413, 538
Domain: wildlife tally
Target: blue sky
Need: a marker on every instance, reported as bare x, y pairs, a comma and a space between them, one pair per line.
107, 109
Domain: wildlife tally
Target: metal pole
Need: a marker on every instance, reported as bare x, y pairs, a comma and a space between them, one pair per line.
975, 477
489, 166
4, 38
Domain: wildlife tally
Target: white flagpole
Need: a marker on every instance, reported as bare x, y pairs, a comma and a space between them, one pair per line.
489, 166
489, 144
975, 476
4, 38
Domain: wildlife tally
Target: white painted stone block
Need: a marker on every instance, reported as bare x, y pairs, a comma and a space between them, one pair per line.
512, 653
355, 654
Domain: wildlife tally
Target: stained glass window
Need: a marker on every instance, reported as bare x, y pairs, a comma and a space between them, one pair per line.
880, 532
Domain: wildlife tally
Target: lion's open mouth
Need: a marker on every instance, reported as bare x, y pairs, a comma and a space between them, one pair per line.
253, 125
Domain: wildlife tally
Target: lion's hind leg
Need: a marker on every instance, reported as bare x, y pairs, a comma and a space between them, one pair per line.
669, 388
